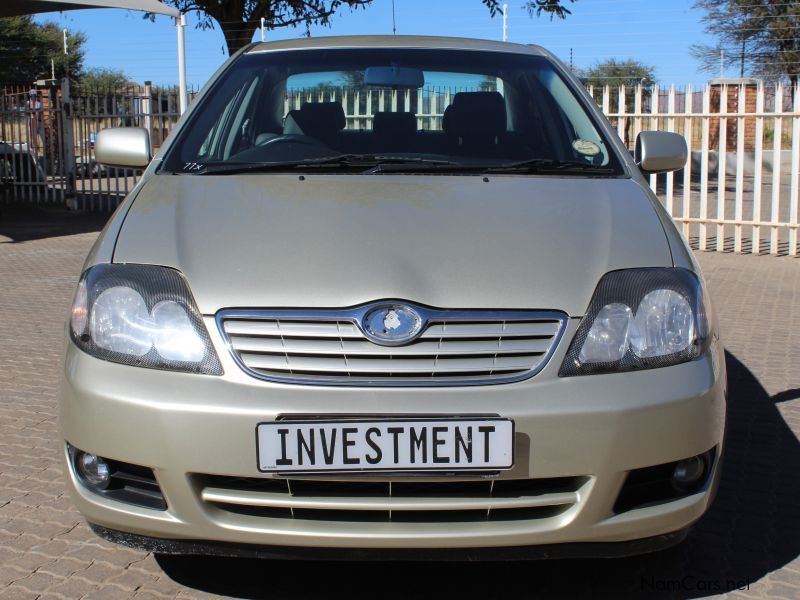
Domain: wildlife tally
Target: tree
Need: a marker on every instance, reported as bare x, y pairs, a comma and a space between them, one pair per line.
103, 80
27, 49
554, 8
615, 73
759, 37
239, 19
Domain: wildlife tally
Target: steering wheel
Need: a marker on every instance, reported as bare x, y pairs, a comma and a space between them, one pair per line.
289, 138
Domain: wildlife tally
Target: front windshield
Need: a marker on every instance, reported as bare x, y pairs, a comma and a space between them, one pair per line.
398, 110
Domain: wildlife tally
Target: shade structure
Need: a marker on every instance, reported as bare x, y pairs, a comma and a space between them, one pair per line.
13, 8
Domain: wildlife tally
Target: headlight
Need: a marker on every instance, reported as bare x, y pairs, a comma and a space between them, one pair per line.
640, 319
141, 315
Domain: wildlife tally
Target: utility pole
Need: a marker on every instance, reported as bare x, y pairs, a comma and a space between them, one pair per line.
263, 34
183, 96
505, 22
722, 63
571, 67
66, 62
394, 20
741, 60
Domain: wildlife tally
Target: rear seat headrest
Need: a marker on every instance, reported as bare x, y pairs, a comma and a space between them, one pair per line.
316, 118
391, 124
482, 113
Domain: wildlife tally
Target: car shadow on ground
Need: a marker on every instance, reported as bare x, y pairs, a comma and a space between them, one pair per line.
23, 223
751, 530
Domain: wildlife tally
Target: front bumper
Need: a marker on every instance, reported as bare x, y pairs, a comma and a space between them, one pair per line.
595, 427
540, 552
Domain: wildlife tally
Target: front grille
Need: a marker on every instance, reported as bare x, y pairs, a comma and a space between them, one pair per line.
382, 501
329, 348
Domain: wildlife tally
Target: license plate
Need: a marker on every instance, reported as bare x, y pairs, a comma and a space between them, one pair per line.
477, 444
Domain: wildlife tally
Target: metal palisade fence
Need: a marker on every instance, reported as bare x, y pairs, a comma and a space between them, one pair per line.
738, 192
47, 137
156, 109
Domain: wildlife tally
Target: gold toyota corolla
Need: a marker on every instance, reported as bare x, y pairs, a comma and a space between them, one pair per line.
390, 296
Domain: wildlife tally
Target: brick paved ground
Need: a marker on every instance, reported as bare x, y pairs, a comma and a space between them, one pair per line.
751, 534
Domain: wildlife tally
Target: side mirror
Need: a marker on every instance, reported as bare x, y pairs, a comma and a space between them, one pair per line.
660, 152
123, 147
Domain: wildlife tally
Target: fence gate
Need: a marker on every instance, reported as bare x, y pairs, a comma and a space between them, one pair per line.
47, 138
32, 145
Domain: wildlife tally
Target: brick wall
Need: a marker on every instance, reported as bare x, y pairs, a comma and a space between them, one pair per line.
732, 124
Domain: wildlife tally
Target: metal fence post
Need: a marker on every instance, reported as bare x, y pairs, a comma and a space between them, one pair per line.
147, 108
794, 185
68, 143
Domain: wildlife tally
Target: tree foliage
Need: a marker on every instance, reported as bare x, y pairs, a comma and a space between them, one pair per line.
759, 37
27, 48
615, 73
554, 8
239, 19
103, 80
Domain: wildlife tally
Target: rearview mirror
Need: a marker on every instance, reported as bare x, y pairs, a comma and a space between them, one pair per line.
123, 147
660, 152
394, 77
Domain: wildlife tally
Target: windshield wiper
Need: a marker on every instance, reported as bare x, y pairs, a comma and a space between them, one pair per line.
536, 165
550, 165
341, 160
376, 164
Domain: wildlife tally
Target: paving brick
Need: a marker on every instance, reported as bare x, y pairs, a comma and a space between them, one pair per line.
10, 573
99, 571
108, 592
73, 588
130, 579
65, 567
17, 592
39, 581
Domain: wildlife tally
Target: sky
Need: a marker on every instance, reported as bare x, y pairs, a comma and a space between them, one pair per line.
656, 32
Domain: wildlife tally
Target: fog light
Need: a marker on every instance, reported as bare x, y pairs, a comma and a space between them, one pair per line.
690, 472
93, 470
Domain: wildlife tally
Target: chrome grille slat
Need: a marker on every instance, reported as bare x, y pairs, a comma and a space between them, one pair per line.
276, 345
275, 500
285, 329
434, 500
491, 330
327, 347
334, 364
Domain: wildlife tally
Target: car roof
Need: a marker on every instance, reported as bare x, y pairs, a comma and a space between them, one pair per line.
395, 41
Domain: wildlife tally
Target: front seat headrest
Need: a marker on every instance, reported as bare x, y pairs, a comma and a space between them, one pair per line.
475, 114
316, 119
394, 124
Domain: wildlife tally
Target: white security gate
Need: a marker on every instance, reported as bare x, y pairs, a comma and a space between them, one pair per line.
32, 141
740, 189
102, 188
47, 142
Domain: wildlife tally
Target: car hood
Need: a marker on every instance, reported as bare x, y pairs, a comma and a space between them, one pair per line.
343, 240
